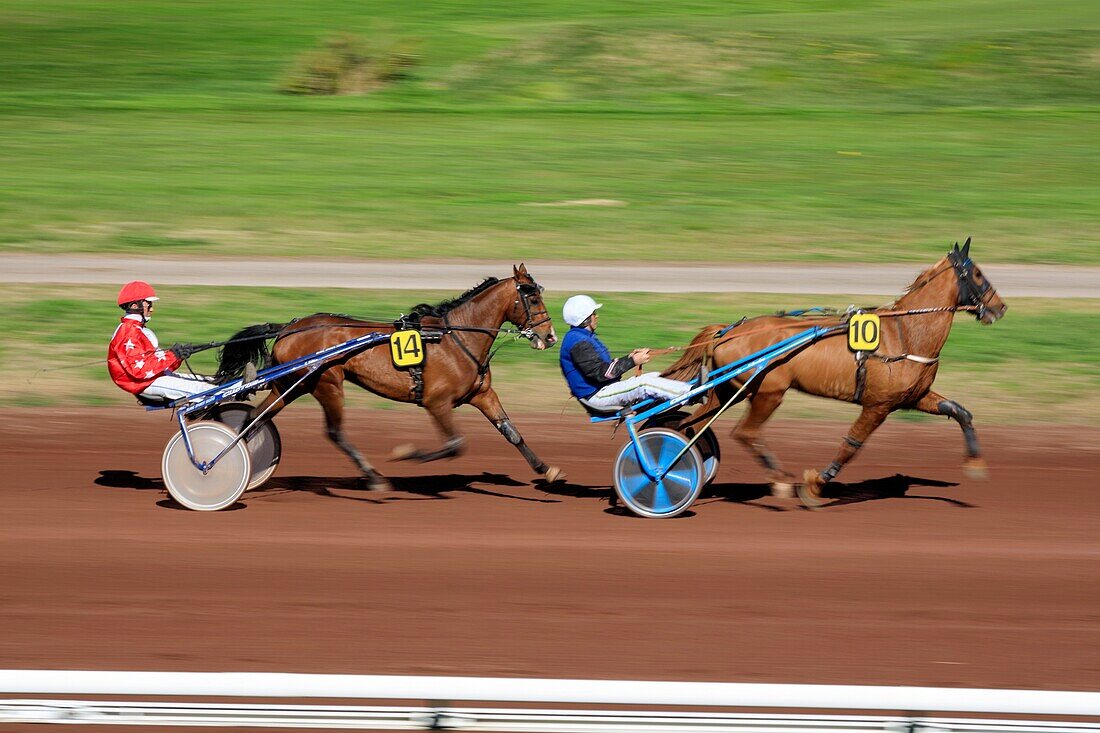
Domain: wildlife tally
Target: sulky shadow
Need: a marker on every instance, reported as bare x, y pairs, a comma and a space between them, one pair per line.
747, 494
349, 488
131, 480
354, 488
128, 480
577, 491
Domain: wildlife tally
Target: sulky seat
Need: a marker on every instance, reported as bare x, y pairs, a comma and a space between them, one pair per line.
148, 401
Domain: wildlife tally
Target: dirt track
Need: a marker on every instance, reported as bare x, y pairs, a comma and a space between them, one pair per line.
924, 578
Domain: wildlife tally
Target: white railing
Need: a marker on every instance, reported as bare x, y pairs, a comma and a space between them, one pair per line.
906, 708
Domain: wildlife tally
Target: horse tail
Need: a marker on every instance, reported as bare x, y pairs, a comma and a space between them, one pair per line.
247, 346
696, 356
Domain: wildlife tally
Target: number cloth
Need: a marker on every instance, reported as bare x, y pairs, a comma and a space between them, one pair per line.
406, 348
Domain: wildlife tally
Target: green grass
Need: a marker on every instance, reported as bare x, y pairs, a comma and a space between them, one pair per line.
699, 55
448, 185
1038, 364
763, 130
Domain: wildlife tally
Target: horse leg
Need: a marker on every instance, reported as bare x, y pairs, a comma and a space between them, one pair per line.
330, 393
453, 443
867, 422
935, 404
747, 433
490, 407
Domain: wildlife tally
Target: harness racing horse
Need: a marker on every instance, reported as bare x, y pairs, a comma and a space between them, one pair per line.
455, 370
913, 331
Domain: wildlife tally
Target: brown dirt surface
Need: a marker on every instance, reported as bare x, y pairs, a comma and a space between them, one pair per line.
914, 575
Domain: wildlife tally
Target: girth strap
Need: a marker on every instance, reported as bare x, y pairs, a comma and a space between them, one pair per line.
417, 374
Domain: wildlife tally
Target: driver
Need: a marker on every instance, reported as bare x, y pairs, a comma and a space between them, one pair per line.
135, 360
594, 378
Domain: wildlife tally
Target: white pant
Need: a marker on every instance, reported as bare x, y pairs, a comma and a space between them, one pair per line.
172, 386
628, 391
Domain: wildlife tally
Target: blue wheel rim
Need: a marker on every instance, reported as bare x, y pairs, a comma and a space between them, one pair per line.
674, 491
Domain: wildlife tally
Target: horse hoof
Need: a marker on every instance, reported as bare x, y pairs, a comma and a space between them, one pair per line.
404, 452
553, 475
782, 490
379, 483
809, 491
976, 469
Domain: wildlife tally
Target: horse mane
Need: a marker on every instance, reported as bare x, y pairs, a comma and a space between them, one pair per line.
446, 306
923, 278
919, 281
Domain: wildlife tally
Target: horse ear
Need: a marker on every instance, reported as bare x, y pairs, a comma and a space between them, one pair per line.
966, 248
955, 249
522, 269
515, 271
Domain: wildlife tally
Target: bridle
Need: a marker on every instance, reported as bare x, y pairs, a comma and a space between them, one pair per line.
971, 292
524, 292
972, 295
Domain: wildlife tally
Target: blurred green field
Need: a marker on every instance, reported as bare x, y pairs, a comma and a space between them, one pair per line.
1037, 365
696, 130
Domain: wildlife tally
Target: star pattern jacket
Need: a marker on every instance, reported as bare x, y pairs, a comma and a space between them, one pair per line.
134, 358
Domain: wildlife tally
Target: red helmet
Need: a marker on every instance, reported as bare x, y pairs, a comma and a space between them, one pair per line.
136, 290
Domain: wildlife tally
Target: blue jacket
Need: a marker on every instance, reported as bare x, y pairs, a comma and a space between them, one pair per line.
586, 363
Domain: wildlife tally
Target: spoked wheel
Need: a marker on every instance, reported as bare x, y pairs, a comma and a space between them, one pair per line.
219, 487
264, 446
709, 449
675, 491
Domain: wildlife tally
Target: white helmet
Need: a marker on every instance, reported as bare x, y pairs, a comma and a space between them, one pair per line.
578, 308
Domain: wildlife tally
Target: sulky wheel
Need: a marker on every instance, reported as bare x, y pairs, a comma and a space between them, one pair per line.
709, 449
219, 487
264, 446
711, 453
675, 491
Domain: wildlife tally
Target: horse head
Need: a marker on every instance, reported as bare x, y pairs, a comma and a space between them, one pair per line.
528, 310
974, 288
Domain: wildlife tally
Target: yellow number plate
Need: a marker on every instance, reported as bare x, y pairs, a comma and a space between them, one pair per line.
406, 348
863, 332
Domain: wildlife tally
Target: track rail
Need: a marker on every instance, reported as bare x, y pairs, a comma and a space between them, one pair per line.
898, 708
490, 720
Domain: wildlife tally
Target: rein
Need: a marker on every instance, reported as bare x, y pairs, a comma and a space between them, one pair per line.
844, 316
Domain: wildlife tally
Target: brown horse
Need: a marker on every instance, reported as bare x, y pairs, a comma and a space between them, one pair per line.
455, 370
899, 375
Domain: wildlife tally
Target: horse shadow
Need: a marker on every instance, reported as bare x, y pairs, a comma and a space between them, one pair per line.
838, 493
350, 488
572, 490
889, 487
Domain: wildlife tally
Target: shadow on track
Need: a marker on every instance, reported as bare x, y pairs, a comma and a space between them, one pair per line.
128, 480
425, 488
839, 493
891, 487
422, 487
577, 491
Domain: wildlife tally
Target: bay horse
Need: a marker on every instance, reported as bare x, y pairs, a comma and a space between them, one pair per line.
899, 376
455, 370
